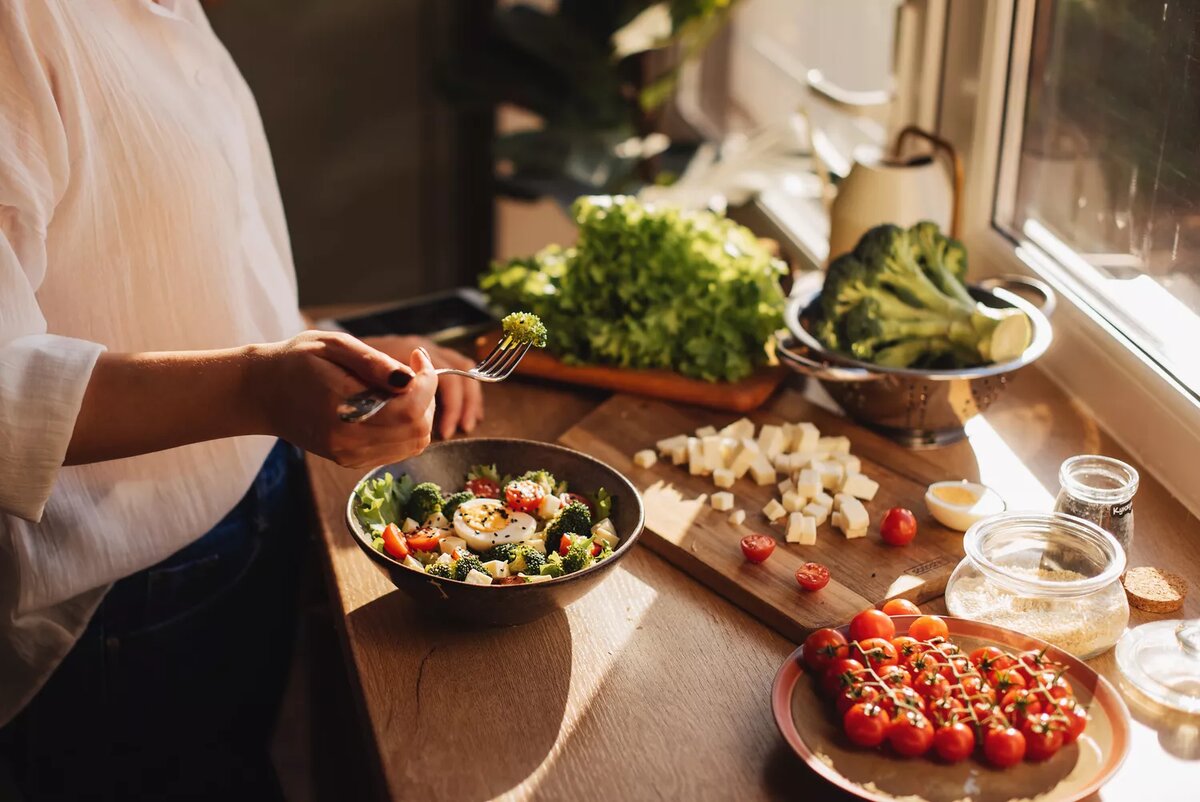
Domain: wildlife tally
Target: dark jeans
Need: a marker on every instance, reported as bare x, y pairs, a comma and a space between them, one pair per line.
173, 690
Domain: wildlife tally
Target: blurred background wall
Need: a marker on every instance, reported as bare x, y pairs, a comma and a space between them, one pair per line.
387, 190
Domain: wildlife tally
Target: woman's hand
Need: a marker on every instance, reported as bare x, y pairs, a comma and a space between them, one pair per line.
460, 400
298, 384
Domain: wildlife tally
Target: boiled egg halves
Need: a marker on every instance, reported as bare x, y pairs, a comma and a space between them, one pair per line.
486, 522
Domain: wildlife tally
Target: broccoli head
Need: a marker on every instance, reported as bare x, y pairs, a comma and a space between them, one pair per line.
505, 551
899, 300
527, 561
579, 555
523, 327
606, 551
425, 502
451, 503
573, 519
553, 566
440, 569
464, 565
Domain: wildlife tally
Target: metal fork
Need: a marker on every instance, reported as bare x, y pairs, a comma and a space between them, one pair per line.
495, 367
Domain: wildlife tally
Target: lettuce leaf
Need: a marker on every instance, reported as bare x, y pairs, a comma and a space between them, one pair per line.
381, 501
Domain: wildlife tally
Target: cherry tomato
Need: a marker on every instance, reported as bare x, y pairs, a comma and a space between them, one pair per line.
894, 676
1076, 719
564, 545
931, 685
841, 673
955, 668
875, 652
758, 548
984, 710
424, 539
812, 576
910, 733
1042, 737
906, 647
901, 699
900, 607
484, 488
970, 688
856, 694
926, 660
1020, 704
990, 658
899, 527
822, 647
954, 742
872, 623
928, 627
393, 542
1053, 683
945, 710
1004, 746
1005, 680
1033, 662
567, 498
866, 724
525, 495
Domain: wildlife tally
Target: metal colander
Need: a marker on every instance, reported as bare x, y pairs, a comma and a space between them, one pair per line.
917, 408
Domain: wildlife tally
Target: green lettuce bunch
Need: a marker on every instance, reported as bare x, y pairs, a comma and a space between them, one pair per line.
650, 286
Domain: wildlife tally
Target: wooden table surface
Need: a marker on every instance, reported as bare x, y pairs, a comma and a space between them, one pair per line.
653, 686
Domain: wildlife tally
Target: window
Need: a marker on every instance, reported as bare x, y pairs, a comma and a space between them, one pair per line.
1100, 167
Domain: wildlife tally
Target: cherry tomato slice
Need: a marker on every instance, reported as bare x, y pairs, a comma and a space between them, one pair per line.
393, 542
866, 724
899, 527
900, 607
524, 496
1004, 746
822, 647
928, 627
758, 548
424, 539
484, 488
954, 742
812, 576
872, 623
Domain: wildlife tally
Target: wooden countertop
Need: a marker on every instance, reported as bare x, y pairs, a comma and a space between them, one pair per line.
668, 683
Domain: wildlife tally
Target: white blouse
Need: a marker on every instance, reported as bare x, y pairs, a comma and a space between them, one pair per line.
138, 211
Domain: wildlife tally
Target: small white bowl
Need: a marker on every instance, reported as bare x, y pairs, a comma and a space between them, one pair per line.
958, 505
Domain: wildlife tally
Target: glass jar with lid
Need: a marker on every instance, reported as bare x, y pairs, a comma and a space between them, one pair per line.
1100, 490
1049, 575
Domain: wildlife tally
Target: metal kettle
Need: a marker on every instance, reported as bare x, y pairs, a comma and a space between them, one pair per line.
897, 189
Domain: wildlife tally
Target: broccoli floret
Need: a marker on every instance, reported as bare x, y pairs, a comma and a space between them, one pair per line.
898, 300
527, 561
544, 479
425, 502
523, 327
579, 555
464, 565
573, 519
505, 551
451, 504
606, 551
553, 566
440, 569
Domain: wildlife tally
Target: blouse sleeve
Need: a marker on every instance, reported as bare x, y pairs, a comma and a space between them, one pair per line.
42, 376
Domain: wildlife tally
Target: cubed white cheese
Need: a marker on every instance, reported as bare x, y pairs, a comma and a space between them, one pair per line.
808, 482
722, 502
801, 529
825, 500
742, 427
793, 501
703, 497
831, 473
770, 440
496, 568
711, 447
850, 463
696, 465
438, 521
774, 511
782, 461
785, 486
737, 517
837, 521
669, 444
413, 563
723, 477
409, 526
604, 532
745, 457
854, 513
475, 577
446, 559
854, 534
834, 445
679, 453
729, 450
551, 504
762, 472
839, 498
645, 458
860, 486
449, 544
816, 512
538, 578
537, 544
802, 460
805, 437
706, 431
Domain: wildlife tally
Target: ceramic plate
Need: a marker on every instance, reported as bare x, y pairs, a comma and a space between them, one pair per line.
808, 724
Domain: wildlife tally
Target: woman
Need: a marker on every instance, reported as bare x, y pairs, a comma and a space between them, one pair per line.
152, 360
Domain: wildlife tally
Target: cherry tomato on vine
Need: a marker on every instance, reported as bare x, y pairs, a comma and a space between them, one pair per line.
906, 647
945, 710
954, 742
484, 488
1003, 746
857, 694
1005, 680
812, 576
928, 627
841, 673
1019, 705
757, 548
822, 647
899, 527
1043, 737
872, 623
1076, 719
894, 676
866, 724
900, 607
1053, 683
897, 700
910, 733
990, 658
931, 685
875, 652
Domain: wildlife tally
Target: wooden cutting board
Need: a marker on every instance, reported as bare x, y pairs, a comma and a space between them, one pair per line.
741, 396
701, 541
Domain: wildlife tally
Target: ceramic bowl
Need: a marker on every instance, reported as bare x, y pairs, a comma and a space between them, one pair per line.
503, 605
